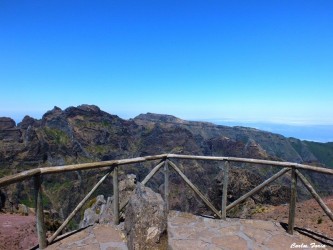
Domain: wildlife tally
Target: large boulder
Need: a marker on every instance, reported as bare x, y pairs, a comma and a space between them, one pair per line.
145, 223
127, 184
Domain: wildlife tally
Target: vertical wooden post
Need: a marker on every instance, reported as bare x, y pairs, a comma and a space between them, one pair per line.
39, 212
166, 186
115, 196
292, 205
225, 190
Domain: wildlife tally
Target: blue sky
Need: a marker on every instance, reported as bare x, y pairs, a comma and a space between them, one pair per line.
257, 61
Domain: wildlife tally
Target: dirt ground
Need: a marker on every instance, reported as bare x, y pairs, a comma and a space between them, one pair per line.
17, 231
309, 215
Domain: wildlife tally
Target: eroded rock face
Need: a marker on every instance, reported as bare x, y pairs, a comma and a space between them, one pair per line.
127, 184
86, 133
6, 123
145, 222
92, 214
101, 211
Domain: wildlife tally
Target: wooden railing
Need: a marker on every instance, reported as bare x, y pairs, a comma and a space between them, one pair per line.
165, 162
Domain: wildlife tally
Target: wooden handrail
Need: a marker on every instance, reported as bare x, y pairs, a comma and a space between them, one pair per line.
105, 164
165, 159
4, 181
83, 166
254, 161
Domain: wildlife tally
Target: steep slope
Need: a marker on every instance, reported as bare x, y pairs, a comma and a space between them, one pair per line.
86, 133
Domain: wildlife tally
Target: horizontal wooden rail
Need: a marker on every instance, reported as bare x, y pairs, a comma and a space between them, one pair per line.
84, 166
165, 159
254, 161
104, 164
19, 177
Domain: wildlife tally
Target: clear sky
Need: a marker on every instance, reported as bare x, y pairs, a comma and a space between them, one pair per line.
269, 61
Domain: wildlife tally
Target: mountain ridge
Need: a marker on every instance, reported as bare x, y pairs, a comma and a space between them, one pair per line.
86, 133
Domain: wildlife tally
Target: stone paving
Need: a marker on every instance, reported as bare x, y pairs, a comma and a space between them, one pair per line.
99, 237
186, 231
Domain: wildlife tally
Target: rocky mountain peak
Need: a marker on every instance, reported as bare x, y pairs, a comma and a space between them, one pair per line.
159, 118
27, 121
54, 112
6, 123
86, 110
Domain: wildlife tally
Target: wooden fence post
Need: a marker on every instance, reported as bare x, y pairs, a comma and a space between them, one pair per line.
115, 196
195, 189
225, 190
166, 186
292, 205
39, 212
78, 207
316, 196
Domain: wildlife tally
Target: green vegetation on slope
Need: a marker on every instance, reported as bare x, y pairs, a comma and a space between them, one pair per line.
60, 137
323, 151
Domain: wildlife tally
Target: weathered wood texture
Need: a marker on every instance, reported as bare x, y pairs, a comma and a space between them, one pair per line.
59, 169
225, 190
152, 173
292, 204
257, 188
39, 212
115, 196
315, 194
84, 166
7, 180
166, 186
195, 189
36, 173
78, 207
253, 161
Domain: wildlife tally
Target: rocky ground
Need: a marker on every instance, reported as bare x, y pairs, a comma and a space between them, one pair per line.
17, 231
188, 232
309, 215
93, 238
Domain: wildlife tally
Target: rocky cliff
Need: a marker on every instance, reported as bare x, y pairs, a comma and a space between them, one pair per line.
86, 133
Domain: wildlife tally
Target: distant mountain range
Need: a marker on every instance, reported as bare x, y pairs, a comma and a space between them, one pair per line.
86, 133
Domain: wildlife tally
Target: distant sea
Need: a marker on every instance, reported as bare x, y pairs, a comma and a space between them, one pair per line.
317, 133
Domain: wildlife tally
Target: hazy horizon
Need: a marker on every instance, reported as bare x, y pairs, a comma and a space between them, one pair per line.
310, 132
258, 61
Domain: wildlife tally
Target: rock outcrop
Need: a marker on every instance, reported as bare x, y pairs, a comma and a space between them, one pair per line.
86, 133
6, 123
146, 221
100, 210
92, 214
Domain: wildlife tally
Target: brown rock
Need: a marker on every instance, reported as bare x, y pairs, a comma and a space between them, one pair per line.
145, 221
6, 123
